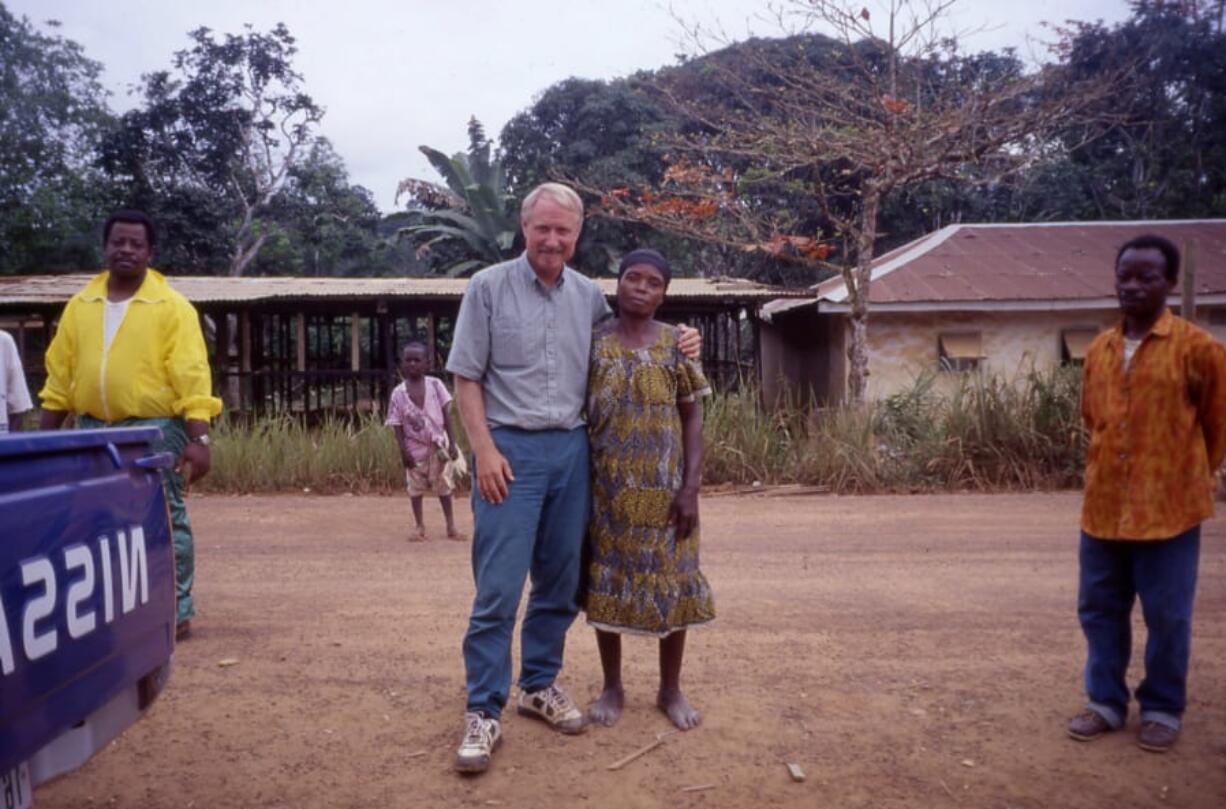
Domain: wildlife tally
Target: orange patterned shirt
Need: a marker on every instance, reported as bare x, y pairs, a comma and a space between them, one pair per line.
1157, 431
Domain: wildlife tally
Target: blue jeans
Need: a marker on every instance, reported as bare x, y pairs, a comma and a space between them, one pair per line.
537, 529
1113, 574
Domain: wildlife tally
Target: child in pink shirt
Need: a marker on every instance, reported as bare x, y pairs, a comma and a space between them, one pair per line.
419, 412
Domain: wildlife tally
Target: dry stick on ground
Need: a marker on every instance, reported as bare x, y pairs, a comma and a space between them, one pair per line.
698, 788
642, 751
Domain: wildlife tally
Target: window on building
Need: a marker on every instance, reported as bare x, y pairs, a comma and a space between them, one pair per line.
960, 352
1074, 343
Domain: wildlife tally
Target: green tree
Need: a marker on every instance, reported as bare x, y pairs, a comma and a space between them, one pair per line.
471, 212
600, 135
52, 113
599, 132
324, 225
1162, 152
214, 145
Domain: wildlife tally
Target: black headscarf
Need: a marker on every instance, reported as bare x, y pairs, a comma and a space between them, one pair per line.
645, 255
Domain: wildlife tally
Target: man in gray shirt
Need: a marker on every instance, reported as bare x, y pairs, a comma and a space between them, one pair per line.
520, 359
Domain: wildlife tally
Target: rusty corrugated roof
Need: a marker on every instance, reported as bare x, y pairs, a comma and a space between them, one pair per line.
1061, 261
49, 289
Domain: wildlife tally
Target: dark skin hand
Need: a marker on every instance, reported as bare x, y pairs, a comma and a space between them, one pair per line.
684, 511
405, 457
52, 419
196, 455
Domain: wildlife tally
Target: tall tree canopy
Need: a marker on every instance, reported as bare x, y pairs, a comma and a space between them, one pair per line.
52, 113
214, 145
1164, 156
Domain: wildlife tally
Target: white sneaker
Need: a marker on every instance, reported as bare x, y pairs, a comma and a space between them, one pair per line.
554, 706
481, 738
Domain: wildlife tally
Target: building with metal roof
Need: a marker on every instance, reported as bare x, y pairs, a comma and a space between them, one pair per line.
1004, 298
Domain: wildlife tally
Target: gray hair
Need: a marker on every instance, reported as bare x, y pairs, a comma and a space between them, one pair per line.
563, 195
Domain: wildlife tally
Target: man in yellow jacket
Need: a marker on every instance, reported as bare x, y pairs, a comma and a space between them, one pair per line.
129, 350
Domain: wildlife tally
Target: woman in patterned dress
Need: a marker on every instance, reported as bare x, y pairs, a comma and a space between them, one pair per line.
645, 426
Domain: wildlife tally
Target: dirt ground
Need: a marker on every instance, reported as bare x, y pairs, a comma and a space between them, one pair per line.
904, 651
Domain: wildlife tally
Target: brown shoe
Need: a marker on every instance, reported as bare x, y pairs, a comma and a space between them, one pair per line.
183, 630
1157, 737
1088, 726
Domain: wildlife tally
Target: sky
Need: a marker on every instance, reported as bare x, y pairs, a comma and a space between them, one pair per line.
397, 74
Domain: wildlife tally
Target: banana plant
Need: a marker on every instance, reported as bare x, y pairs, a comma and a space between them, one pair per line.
470, 209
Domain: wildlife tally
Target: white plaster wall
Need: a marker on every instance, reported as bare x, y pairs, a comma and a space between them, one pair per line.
902, 346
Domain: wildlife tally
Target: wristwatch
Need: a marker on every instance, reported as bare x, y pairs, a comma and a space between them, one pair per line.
202, 440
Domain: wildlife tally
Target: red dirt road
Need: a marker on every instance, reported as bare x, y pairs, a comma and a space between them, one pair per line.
904, 651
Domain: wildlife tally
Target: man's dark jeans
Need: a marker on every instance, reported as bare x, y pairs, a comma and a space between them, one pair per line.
1113, 574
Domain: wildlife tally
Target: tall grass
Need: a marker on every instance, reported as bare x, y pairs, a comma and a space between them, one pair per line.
281, 454
968, 432
977, 433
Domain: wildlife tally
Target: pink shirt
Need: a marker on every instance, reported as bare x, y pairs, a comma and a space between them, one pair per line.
424, 428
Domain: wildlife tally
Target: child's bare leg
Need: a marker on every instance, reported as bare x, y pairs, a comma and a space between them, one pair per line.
608, 707
670, 699
449, 516
419, 532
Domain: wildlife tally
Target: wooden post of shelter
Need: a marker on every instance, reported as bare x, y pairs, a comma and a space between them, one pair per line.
1187, 303
430, 338
355, 357
222, 354
259, 360
300, 339
385, 338
245, 359
736, 340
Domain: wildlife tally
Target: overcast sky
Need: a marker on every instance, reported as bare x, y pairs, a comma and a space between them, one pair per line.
395, 74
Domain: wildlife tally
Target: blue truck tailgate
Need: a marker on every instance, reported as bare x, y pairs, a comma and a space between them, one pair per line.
87, 596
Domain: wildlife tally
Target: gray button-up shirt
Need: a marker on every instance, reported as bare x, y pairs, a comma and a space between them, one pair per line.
527, 344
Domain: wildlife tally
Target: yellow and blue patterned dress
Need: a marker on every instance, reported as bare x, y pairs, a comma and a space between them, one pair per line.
640, 578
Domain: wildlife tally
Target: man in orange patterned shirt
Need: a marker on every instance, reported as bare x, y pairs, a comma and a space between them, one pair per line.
1154, 402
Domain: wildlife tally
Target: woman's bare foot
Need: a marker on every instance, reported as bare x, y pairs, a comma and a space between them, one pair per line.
456, 535
418, 534
607, 709
683, 715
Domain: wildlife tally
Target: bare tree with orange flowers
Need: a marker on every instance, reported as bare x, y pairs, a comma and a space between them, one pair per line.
883, 100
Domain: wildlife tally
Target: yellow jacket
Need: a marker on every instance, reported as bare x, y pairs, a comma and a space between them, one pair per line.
157, 366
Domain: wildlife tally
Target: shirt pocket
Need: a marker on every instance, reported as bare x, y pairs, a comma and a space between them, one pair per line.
508, 343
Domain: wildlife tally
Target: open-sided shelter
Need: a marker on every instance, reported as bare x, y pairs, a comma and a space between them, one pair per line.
312, 345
